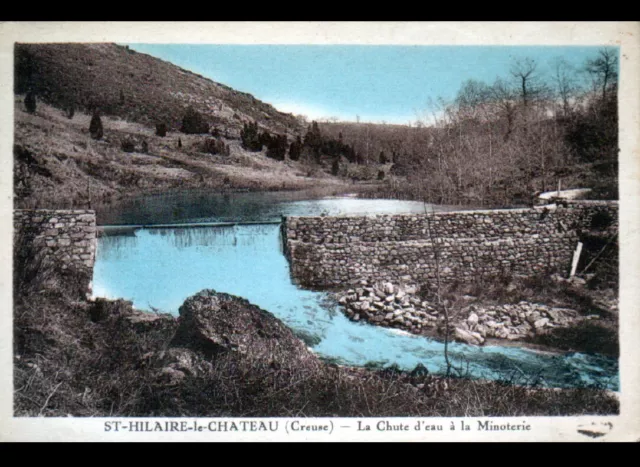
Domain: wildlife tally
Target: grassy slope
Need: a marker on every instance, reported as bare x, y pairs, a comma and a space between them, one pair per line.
133, 92
74, 170
137, 87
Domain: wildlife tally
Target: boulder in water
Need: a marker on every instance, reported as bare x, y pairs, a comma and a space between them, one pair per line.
212, 322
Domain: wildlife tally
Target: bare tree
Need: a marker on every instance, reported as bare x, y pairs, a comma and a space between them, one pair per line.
531, 87
504, 98
604, 69
472, 100
566, 86
523, 70
442, 304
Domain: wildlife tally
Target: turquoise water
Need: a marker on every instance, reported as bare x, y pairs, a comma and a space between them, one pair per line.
158, 268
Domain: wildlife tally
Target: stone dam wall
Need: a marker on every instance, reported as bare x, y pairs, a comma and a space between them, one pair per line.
332, 252
65, 237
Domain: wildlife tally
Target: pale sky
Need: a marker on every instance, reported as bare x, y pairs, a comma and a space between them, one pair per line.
377, 83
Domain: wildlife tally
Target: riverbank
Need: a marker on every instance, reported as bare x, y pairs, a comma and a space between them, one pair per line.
225, 357
545, 312
59, 165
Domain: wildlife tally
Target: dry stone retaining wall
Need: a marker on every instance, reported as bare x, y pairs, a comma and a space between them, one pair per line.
67, 237
334, 251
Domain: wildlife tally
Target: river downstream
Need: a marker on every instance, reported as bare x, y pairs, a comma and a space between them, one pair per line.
158, 268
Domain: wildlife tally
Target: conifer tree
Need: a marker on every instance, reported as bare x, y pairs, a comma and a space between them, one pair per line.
251, 139
30, 102
335, 167
161, 129
295, 149
95, 127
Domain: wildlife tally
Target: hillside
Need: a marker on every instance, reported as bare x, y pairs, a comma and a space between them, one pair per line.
58, 164
490, 146
137, 87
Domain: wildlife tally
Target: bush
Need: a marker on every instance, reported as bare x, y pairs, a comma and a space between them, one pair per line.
251, 139
127, 145
213, 146
193, 123
30, 102
335, 167
295, 149
161, 129
95, 127
277, 147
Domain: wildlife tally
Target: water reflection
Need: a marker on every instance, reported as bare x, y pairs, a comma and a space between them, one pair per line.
198, 207
161, 267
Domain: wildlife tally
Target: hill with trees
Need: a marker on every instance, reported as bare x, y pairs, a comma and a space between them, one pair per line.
94, 122
137, 87
494, 144
500, 143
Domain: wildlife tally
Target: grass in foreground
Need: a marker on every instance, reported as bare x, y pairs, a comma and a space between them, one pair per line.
73, 357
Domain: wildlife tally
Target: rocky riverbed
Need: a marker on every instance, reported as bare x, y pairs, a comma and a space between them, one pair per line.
400, 306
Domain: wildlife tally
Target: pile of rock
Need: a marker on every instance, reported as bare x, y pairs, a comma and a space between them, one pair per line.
512, 322
386, 304
398, 306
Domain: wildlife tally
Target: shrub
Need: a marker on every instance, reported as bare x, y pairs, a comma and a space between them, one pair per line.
213, 146
295, 149
127, 145
70, 111
30, 102
95, 127
193, 123
161, 129
251, 139
335, 167
277, 147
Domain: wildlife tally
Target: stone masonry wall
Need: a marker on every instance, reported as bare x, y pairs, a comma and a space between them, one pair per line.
68, 237
335, 251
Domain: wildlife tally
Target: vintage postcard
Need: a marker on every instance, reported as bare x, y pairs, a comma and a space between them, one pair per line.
319, 231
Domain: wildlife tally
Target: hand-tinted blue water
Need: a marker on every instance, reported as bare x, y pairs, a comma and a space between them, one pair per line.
160, 268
